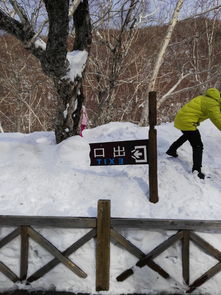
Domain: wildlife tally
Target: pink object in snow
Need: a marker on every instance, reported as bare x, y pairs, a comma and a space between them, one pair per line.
84, 120
84, 117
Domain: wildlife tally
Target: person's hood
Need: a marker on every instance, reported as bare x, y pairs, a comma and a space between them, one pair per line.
214, 93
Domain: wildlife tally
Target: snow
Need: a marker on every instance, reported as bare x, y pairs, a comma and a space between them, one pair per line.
41, 178
77, 61
39, 43
65, 113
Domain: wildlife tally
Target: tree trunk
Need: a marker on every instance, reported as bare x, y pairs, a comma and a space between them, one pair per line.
71, 91
159, 60
69, 108
53, 55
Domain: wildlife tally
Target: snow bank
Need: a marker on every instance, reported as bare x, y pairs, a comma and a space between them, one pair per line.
39, 177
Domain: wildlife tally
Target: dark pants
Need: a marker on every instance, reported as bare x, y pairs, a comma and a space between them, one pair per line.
194, 139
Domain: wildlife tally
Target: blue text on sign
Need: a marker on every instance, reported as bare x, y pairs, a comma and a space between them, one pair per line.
110, 161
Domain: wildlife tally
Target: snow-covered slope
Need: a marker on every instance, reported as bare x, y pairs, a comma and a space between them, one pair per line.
39, 177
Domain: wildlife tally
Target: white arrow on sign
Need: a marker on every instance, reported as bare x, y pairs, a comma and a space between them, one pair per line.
140, 154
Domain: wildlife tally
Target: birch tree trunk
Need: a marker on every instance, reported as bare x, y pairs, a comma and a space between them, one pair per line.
159, 60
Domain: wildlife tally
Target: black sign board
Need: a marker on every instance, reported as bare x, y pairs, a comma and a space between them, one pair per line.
133, 152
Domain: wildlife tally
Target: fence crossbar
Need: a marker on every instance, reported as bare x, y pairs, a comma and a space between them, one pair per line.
70, 250
91, 222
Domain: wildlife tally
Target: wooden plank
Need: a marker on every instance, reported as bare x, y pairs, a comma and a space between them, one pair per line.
186, 256
8, 273
152, 108
168, 224
152, 156
103, 246
205, 246
90, 222
51, 264
152, 254
159, 249
205, 277
131, 248
126, 244
129, 272
152, 149
154, 266
24, 253
55, 221
55, 252
125, 274
10, 237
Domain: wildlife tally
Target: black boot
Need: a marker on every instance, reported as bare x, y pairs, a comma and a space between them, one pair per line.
197, 161
200, 174
172, 153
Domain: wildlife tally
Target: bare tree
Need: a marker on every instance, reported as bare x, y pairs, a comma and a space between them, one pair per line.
28, 99
66, 69
160, 58
127, 58
114, 76
192, 60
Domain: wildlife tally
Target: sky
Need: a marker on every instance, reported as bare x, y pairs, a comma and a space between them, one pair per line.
42, 178
163, 9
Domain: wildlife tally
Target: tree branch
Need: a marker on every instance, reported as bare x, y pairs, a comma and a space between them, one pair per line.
82, 25
171, 90
20, 12
41, 27
1, 129
15, 28
199, 14
56, 49
23, 32
73, 7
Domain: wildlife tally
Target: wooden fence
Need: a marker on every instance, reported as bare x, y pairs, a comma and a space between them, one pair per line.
104, 229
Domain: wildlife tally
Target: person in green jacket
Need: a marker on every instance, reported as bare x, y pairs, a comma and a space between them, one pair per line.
200, 108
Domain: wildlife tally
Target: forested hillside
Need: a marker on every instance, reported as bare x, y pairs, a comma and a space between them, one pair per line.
116, 77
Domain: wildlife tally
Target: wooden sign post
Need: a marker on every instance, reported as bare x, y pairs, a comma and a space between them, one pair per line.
103, 246
153, 186
135, 152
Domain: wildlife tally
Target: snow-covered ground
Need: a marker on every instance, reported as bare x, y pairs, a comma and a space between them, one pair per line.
41, 178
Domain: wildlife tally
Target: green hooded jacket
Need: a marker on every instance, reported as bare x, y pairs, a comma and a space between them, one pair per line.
200, 108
